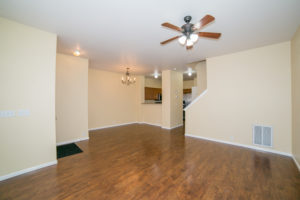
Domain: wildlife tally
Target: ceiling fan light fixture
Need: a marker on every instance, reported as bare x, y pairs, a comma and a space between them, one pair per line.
194, 37
182, 40
190, 32
189, 42
197, 25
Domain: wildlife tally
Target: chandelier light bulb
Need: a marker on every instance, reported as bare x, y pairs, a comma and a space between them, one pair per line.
194, 37
127, 80
190, 73
182, 40
189, 42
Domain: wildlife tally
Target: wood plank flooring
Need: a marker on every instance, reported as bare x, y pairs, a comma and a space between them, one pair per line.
147, 162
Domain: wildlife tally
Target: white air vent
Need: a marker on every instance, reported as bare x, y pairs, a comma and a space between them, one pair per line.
262, 135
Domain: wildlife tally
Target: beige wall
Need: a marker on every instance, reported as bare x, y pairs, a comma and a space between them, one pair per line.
295, 52
151, 114
166, 94
188, 84
201, 76
176, 99
147, 113
195, 81
27, 82
140, 84
71, 98
246, 88
110, 102
152, 82
172, 86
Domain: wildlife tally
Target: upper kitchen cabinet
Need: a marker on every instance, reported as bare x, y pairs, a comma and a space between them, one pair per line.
153, 89
152, 93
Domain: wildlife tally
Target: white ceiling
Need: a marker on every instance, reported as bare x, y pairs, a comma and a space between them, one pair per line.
115, 34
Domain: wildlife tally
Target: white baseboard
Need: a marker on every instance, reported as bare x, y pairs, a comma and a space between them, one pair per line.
111, 126
172, 127
124, 124
241, 145
297, 164
161, 126
23, 171
150, 124
72, 141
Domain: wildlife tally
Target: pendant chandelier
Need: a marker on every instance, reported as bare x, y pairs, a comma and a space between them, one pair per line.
127, 80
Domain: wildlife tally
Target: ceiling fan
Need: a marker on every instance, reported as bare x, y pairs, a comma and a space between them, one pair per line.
191, 31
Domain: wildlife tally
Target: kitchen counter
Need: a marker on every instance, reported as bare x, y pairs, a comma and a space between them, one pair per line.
152, 102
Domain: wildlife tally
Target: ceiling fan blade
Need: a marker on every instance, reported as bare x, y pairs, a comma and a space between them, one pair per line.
204, 21
189, 47
171, 26
209, 35
171, 39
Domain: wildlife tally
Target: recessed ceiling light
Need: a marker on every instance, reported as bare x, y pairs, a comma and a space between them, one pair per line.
156, 74
76, 53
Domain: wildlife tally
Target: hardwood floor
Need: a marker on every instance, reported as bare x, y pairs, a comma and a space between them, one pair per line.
146, 162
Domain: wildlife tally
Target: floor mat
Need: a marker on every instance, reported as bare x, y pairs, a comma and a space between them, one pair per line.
67, 150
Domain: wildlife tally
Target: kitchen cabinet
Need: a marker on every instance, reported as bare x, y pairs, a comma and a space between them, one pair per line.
152, 93
187, 91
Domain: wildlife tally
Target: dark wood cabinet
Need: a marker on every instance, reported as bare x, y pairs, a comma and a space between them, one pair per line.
152, 93
187, 91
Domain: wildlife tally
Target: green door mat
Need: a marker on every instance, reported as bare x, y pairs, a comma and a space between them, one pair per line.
67, 150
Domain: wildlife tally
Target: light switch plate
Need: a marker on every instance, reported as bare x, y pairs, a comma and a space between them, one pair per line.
7, 113
12, 113
22, 113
